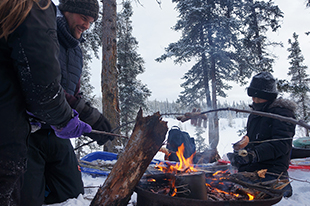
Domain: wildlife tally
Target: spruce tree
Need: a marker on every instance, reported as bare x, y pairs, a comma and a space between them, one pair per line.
299, 84
209, 36
213, 34
258, 18
199, 140
132, 92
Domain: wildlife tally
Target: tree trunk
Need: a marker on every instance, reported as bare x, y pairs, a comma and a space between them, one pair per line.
146, 139
214, 135
109, 75
213, 119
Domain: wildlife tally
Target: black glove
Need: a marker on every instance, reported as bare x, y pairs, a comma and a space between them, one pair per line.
237, 160
101, 125
96, 120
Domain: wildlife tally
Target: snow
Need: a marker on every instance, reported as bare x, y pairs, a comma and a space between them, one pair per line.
228, 135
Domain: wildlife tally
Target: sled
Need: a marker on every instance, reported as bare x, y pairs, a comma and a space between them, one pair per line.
302, 142
100, 163
90, 163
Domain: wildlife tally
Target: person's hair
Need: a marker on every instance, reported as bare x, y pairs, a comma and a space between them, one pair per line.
14, 12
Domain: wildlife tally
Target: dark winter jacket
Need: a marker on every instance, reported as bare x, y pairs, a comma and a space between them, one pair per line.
70, 56
71, 63
30, 74
272, 155
29, 80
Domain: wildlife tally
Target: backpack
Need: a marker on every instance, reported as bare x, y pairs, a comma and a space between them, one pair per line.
175, 139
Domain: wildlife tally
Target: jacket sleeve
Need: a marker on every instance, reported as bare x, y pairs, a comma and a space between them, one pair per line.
35, 52
73, 99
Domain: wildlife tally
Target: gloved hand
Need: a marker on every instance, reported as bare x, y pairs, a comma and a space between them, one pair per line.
237, 160
74, 128
98, 122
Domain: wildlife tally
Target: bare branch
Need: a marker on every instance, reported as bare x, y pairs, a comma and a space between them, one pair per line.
265, 114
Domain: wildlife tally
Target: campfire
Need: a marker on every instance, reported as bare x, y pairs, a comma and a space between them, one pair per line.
183, 166
193, 183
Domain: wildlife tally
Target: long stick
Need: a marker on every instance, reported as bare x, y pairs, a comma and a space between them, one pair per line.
265, 114
108, 133
100, 132
274, 116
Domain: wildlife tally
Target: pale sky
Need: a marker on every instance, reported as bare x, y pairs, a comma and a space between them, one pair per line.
152, 28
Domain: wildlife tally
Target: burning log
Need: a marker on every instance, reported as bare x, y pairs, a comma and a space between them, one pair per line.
192, 185
221, 188
244, 179
145, 141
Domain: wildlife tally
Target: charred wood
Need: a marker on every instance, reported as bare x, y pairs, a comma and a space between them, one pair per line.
145, 141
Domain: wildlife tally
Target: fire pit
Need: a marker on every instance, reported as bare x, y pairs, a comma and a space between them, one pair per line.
166, 189
147, 198
183, 184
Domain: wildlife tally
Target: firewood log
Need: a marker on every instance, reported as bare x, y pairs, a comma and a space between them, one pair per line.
147, 138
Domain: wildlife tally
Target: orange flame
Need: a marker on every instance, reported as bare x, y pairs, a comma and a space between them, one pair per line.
151, 180
251, 197
185, 165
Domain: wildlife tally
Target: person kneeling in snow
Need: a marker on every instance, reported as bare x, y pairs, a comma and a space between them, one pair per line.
271, 155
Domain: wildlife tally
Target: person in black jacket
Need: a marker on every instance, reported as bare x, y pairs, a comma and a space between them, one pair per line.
30, 81
53, 174
271, 155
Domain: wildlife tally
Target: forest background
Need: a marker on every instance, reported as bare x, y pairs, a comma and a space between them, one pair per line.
150, 27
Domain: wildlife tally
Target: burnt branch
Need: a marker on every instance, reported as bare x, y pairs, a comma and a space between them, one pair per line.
264, 189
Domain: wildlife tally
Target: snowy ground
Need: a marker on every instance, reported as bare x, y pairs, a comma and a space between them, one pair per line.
228, 135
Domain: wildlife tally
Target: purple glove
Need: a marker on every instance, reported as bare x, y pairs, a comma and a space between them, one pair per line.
74, 128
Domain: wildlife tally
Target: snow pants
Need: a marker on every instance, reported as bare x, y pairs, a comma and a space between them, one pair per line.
52, 175
12, 168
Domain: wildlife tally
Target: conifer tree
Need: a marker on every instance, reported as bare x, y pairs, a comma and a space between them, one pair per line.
299, 84
207, 35
199, 140
132, 92
258, 18
211, 35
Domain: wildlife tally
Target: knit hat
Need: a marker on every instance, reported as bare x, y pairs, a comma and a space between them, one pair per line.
85, 7
263, 86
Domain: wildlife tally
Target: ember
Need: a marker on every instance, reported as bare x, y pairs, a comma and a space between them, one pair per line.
175, 190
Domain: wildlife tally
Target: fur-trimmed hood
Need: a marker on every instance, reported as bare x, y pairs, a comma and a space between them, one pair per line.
284, 103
